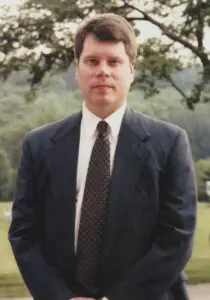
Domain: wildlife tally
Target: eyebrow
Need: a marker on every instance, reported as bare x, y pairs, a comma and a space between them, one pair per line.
96, 56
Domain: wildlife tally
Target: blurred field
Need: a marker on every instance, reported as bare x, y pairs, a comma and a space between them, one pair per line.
198, 268
11, 284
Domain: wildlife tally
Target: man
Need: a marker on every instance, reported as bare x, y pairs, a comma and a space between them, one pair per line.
105, 199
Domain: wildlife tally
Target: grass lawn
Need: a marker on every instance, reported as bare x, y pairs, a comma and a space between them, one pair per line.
198, 269
11, 284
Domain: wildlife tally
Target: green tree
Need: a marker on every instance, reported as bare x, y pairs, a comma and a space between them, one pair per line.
6, 176
202, 168
39, 37
48, 108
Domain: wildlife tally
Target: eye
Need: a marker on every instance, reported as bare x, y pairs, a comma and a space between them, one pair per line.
113, 62
92, 62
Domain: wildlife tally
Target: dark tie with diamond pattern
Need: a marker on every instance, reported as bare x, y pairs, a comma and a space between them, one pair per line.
93, 212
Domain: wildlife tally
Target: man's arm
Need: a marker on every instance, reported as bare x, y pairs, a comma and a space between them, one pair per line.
25, 234
171, 248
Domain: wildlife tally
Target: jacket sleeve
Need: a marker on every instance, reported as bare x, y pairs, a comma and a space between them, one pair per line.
25, 235
151, 277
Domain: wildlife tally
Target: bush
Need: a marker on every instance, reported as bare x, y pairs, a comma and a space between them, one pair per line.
202, 168
6, 176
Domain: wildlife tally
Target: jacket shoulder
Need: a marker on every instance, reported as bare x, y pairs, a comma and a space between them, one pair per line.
155, 125
163, 135
46, 131
40, 138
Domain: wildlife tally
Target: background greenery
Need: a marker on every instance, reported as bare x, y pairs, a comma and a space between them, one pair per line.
11, 284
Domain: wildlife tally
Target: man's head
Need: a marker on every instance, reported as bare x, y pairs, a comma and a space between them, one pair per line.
105, 51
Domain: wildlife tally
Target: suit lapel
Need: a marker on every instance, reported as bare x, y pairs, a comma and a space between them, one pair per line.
130, 157
62, 165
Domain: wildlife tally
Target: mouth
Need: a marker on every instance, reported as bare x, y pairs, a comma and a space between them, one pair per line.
102, 86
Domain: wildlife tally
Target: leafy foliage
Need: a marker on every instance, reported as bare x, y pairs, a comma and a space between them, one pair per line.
6, 175
203, 175
39, 37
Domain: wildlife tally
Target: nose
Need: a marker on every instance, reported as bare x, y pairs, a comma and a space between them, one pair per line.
103, 70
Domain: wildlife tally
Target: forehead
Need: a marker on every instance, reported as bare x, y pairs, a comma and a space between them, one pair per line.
94, 47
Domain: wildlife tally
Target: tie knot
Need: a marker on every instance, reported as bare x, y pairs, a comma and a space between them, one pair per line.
102, 127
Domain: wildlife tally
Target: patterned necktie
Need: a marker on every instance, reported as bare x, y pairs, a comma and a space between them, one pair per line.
93, 212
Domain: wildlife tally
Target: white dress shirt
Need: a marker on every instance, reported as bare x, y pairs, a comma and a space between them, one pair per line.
87, 139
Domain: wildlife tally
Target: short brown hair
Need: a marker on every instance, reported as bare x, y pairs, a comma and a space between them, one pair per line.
107, 27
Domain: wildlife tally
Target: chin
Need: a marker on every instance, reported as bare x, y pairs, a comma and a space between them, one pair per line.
102, 102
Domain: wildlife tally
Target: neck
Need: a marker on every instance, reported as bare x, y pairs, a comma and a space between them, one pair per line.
103, 112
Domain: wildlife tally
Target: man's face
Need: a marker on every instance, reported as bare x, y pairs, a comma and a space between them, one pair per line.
104, 74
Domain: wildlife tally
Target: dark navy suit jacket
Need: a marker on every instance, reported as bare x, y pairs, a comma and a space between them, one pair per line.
151, 213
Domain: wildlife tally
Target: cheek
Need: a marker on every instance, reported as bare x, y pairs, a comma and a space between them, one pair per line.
83, 74
83, 80
125, 81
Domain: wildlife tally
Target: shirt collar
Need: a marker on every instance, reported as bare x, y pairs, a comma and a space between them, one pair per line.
90, 121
